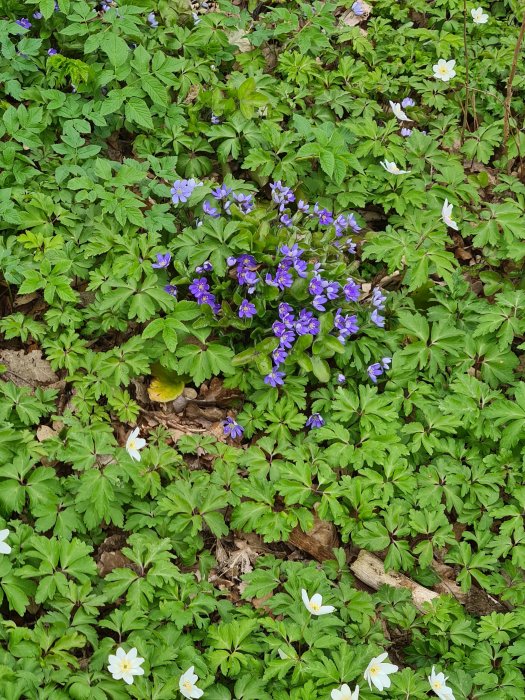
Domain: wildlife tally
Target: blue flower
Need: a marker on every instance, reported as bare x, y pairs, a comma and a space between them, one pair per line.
232, 429
316, 285
378, 299
279, 355
163, 260
377, 368
332, 290
182, 189
222, 192
275, 378
285, 312
171, 289
303, 206
358, 8
152, 21
376, 318
406, 132
306, 323
210, 211
214, 119
247, 309
318, 302
24, 23
341, 379
205, 267
244, 202
52, 52
408, 102
37, 15
280, 194
315, 421
346, 325
351, 290
325, 217
199, 286
286, 220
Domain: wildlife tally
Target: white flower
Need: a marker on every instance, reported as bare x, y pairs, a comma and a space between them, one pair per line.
125, 666
134, 444
344, 693
479, 16
398, 112
444, 70
187, 684
377, 672
4, 547
438, 683
315, 604
392, 168
446, 215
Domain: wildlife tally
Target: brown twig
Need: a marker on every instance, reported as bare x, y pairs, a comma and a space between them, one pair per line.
508, 97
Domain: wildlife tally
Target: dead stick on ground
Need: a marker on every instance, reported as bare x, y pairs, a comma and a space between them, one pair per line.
370, 570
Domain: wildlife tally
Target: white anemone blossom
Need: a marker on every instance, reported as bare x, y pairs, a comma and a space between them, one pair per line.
444, 70
398, 111
4, 547
438, 683
478, 16
392, 168
134, 443
377, 672
314, 605
344, 693
187, 684
446, 215
124, 665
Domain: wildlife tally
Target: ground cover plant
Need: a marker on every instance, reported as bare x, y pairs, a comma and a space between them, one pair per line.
262, 324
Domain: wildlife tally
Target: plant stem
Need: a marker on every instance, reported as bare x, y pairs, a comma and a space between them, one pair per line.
508, 97
467, 86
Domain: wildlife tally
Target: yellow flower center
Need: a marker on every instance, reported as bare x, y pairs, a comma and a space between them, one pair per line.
125, 666
187, 685
132, 445
374, 670
437, 685
443, 70
315, 606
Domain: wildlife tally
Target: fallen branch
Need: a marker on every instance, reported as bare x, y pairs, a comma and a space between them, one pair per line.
370, 570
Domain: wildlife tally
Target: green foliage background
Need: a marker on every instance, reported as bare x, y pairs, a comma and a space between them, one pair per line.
426, 467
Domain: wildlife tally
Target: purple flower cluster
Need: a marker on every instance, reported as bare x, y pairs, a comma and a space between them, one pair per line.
182, 190
281, 195
200, 289
225, 196
232, 429
246, 270
378, 368
346, 325
289, 267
